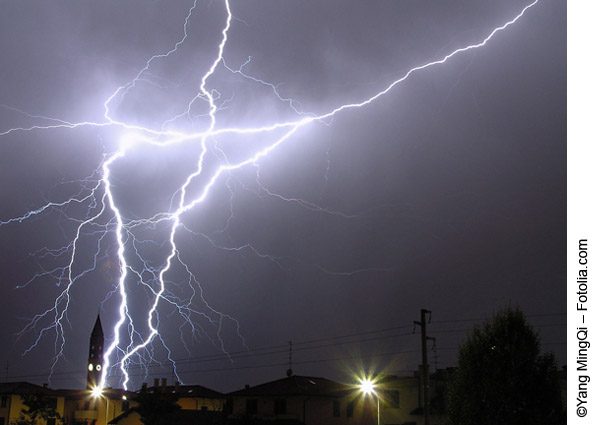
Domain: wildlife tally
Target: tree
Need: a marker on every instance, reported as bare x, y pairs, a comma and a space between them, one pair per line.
502, 378
38, 406
156, 407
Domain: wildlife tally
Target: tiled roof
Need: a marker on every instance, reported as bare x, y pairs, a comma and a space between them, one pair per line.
25, 388
187, 391
296, 385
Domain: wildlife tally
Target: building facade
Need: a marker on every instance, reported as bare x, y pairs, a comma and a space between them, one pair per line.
199, 405
15, 398
300, 400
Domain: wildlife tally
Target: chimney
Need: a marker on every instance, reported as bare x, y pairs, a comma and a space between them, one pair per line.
163, 385
177, 386
156, 381
247, 386
45, 385
144, 386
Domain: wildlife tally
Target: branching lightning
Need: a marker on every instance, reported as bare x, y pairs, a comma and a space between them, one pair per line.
105, 220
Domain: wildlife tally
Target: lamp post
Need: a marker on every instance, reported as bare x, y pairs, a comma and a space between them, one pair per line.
97, 393
367, 387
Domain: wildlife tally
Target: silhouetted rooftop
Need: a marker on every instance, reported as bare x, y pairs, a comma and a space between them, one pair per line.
295, 385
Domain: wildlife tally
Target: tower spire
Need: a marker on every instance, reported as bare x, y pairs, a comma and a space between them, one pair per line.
96, 355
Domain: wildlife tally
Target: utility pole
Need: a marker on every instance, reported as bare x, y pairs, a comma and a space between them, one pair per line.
425, 384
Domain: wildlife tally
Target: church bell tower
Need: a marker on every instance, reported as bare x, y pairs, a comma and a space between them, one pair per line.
96, 356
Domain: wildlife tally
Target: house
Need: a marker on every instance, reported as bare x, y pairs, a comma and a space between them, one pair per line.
199, 405
14, 397
82, 408
401, 398
300, 400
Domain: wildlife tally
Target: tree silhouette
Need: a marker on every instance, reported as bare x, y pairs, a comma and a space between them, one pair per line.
157, 407
502, 379
37, 406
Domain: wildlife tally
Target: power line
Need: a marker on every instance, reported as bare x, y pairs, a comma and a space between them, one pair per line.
306, 345
528, 316
549, 325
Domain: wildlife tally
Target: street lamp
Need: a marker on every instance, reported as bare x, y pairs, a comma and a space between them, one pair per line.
368, 387
97, 393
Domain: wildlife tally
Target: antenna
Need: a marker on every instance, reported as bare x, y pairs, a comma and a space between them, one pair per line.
434, 348
290, 370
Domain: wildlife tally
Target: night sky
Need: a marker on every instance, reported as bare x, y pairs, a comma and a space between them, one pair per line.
447, 193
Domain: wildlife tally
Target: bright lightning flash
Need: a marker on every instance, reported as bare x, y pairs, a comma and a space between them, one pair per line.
105, 221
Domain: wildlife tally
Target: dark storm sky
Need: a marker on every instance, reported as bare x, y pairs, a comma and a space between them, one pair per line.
448, 193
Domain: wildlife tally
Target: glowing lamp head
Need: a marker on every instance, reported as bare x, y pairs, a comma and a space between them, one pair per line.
96, 392
367, 386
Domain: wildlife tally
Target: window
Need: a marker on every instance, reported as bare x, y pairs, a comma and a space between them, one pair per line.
349, 411
1, 421
4, 400
229, 406
336, 408
280, 407
251, 406
391, 398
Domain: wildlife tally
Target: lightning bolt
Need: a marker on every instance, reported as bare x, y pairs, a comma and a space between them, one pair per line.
105, 222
